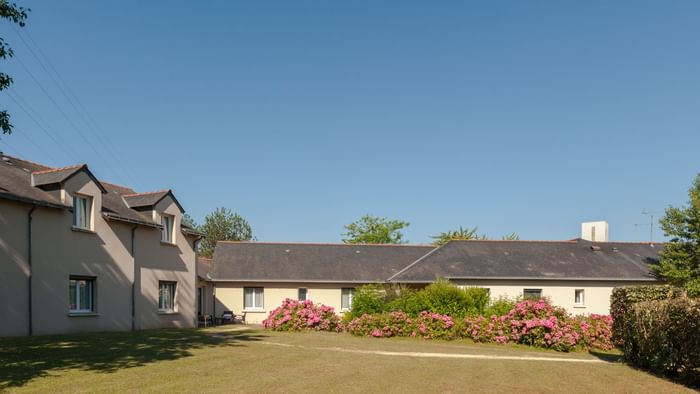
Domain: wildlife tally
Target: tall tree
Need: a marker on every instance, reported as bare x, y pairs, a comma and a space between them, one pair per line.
680, 257
188, 221
371, 229
17, 15
462, 233
223, 225
511, 237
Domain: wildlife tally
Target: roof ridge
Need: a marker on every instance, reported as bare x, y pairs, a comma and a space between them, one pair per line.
326, 244
75, 166
145, 193
116, 184
515, 240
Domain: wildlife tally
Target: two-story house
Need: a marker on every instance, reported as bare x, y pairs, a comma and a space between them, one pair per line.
79, 254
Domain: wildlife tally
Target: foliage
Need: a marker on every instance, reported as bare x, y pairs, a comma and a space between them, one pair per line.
462, 234
499, 306
663, 337
187, 220
680, 257
443, 297
295, 315
426, 325
368, 299
511, 237
533, 323
621, 302
223, 225
375, 230
16, 15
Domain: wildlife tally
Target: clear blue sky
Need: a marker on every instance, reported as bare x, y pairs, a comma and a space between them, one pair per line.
302, 116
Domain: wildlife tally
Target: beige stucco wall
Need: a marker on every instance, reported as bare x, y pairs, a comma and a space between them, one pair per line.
229, 296
561, 293
14, 270
59, 251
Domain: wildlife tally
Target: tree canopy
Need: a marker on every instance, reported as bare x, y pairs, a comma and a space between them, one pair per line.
16, 15
371, 229
223, 225
680, 257
467, 234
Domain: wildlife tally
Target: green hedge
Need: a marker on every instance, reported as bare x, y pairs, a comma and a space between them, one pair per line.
658, 328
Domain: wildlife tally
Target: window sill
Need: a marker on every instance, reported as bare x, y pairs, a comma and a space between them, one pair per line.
83, 314
579, 306
168, 243
254, 310
168, 312
82, 230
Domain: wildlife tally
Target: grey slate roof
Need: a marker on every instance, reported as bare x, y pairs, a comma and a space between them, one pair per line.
17, 176
295, 262
139, 200
570, 260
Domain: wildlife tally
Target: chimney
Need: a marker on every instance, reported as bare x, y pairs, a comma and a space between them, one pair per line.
595, 231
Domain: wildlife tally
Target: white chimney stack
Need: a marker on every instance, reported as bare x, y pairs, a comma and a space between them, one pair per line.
595, 231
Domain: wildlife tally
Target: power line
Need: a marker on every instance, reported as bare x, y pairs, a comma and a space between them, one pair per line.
63, 87
35, 145
58, 107
36, 118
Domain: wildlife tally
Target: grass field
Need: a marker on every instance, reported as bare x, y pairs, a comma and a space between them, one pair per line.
236, 359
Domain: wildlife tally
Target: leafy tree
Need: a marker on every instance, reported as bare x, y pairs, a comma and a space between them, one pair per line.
17, 15
459, 234
188, 221
511, 237
680, 257
223, 225
375, 230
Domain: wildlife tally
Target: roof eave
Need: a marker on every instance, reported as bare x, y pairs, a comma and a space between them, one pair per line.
568, 279
119, 218
31, 201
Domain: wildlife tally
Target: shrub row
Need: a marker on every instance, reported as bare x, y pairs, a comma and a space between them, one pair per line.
533, 323
658, 328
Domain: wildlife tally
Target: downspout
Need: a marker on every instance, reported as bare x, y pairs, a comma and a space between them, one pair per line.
29, 264
133, 281
197, 301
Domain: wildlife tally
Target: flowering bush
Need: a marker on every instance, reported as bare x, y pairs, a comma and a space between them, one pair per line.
399, 324
295, 315
539, 324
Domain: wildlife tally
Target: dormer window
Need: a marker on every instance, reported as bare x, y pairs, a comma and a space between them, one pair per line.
82, 212
166, 234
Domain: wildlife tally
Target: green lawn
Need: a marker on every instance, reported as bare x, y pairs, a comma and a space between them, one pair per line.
251, 360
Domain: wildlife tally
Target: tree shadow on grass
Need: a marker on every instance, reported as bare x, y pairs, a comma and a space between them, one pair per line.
26, 358
691, 382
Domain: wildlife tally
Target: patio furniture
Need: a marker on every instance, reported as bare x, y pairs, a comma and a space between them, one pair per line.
228, 317
204, 320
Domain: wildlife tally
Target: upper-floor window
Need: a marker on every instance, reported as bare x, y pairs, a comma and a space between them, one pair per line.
81, 293
82, 211
166, 234
166, 296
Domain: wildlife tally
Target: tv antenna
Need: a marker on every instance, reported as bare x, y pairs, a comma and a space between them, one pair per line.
650, 224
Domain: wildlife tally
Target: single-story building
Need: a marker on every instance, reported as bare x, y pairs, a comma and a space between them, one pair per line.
579, 275
79, 254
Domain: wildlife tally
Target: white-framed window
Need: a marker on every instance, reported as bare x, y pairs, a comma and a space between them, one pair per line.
253, 298
532, 294
302, 294
346, 296
82, 211
579, 299
166, 234
81, 294
166, 296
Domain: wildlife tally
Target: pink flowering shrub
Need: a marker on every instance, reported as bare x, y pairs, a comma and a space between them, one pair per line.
536, 323
295, 315
399, 324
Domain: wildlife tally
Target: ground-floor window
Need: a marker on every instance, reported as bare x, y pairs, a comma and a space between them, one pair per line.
253, 298
578, 297
81, 294
166, 296
532, 294
302, 294
346, 298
